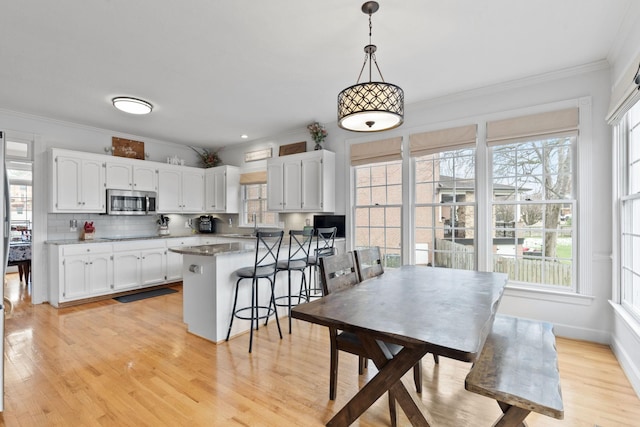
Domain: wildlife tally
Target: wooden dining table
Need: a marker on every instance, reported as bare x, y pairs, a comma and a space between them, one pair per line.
443, 311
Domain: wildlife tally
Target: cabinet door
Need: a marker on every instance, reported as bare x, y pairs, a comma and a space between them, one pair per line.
92, 185
210, 190
68, 176
292, 184
126, 270
193, 192
74, 277
216, 190
275, 189
118, 176
169, 191
145, 178
100, 274
174, 266
312, 182
153, 266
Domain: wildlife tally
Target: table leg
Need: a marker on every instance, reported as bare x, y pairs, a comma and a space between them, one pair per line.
389, 377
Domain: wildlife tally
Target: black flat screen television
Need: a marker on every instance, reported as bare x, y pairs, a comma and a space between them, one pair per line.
323, 221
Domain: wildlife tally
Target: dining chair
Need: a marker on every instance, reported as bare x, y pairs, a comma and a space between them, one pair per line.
264, 267
339, 272
325, 246
299, 247
369, 265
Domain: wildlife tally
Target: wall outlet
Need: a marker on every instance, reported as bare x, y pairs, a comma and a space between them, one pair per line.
73, 225
187, 225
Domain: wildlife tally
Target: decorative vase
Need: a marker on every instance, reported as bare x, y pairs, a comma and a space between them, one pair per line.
318, 146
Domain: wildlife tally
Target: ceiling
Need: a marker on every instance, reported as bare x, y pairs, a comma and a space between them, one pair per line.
217, 69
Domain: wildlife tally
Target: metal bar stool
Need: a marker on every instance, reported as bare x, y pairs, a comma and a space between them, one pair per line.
264, 267
299, 247
325, 246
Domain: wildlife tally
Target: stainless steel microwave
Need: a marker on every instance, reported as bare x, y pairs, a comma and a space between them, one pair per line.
125, 202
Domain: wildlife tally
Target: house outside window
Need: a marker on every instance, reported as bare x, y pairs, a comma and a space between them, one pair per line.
445, 209
378, 209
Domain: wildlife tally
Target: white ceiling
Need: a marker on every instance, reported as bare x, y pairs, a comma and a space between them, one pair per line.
216, 69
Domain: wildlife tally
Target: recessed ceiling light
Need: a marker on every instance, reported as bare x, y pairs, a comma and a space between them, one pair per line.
244, 136
132, 105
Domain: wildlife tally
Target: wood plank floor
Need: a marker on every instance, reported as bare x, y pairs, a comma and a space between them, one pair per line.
114, 364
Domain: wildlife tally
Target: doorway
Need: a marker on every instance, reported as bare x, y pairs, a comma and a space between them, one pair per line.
19, 167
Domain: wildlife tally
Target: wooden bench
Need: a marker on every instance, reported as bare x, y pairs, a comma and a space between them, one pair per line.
518, 367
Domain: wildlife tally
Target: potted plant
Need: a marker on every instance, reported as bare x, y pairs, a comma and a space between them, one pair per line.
318, 134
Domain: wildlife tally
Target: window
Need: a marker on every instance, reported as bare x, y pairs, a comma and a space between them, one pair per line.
532, 211
254, 206
630, 212
445, 209
378, 209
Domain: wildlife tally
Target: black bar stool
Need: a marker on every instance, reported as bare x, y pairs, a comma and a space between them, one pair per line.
264, 267
299, 247
325, 246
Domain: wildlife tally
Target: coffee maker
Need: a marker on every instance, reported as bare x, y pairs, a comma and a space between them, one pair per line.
206, 224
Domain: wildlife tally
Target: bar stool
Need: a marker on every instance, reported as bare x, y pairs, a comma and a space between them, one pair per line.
299, 247
264, 267
325, 246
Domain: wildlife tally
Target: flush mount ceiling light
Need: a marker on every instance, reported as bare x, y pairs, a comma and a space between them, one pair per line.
372, 106
132, 105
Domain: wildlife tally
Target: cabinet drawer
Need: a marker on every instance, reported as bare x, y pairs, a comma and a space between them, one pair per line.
87, 248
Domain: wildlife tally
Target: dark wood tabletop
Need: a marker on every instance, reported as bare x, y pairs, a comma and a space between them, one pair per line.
425, 309
449, 310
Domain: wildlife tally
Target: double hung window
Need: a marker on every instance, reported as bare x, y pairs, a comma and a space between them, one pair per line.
253, 210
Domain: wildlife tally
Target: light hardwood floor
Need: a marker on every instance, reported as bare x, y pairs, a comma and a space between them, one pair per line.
113, 364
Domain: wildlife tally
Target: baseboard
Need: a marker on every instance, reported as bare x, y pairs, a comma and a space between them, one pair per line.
628, 366
583, 334
625, 344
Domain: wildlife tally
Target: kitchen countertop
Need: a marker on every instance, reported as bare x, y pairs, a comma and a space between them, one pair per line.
217, 249
152, 237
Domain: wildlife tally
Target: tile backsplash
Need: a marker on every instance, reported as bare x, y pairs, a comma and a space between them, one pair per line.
58, 225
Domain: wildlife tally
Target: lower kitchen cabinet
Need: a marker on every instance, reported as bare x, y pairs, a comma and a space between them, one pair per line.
86, 270
139, 264
80, 271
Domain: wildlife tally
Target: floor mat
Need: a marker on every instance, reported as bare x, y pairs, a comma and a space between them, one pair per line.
145, 294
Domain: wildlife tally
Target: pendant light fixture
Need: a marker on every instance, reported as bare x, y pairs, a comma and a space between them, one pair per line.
132, 105
372, 106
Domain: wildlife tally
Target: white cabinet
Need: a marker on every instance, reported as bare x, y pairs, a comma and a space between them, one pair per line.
180, 189
129, 174
302, 182
80, 271
77, 182
222, 189
138, 264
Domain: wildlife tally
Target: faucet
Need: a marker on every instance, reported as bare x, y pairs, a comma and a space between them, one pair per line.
255, 223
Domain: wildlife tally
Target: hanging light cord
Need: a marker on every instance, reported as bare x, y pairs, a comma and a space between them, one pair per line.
369, 54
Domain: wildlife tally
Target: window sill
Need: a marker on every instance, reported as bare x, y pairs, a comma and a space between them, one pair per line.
547, 295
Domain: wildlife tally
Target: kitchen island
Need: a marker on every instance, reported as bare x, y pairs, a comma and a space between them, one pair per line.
208, 286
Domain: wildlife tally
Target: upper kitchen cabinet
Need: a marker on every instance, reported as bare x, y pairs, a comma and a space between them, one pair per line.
302, 182
180, 189
222, 188
77, 182
127, 174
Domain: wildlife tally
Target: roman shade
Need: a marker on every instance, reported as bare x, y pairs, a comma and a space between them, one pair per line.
421, 144
259, 177
384, 150
624, 94
516, 129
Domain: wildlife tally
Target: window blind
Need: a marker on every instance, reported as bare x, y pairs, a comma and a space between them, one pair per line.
376, 151
625, 94
259, 177
515, 129
424, 143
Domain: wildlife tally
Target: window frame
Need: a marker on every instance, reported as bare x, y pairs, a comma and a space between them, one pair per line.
243, 215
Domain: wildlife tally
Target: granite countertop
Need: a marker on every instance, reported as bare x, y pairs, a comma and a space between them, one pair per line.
217, 249
115, 239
